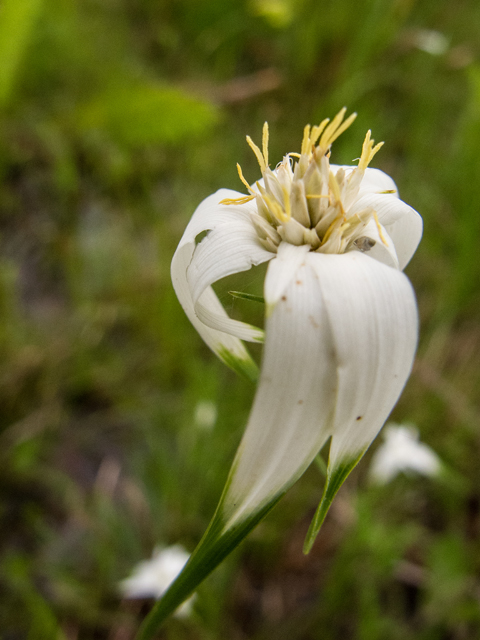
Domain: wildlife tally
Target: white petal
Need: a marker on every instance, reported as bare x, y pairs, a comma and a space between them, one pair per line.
383, 249
281, 271
210, 215
294, 401
373, 318
403, 224
374, 180
231, 247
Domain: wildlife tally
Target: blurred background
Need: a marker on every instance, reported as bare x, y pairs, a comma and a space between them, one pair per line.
118, 426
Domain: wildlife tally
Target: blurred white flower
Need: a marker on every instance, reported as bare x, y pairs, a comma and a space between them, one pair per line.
205, 415
430, 41
402, 451
151, 578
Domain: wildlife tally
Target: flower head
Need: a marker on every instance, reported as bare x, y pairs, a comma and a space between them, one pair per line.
151, 578
307, 202
402, 452
340, 325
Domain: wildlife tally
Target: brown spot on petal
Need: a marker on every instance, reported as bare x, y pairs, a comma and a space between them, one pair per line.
359, 417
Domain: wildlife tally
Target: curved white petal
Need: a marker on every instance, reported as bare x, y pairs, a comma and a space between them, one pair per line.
294, 403
403, 224
229, 248
281, 272
373, 181
376, 181
208, 216
383, 249
373, 318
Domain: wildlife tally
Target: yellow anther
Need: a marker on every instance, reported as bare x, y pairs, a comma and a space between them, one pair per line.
275, 209
335, 129
306, 148
286, 200
257, 153
331, 229
335, 189
317, 131
243, 200
368, 151
240, 175
379, 229
314, 195
265, 143
387, 191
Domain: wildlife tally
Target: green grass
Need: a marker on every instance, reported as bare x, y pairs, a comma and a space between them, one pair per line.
116, 120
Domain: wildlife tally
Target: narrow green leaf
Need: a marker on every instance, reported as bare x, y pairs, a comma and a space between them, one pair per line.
335, 479
215, 545
247, 296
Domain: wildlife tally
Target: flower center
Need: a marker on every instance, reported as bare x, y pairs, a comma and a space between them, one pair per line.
304, 201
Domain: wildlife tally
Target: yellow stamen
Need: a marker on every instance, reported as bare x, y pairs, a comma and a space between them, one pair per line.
335, 189
335, 129
387, 191
368, 151
330, 230
317, 131
265, 143
314, 195
258, 154
379, 229
240, 175
306, 148
286, 199
275, 209
243, 200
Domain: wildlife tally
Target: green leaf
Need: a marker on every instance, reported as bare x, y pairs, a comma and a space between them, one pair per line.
215, 545
17, 22
335, 479
247, 296
147, 114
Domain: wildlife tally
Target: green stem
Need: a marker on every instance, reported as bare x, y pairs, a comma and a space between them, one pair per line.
215, 545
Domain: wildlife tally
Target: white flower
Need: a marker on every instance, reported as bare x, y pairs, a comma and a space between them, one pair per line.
340, 330
205, 415
400, 452
151, 578
430, 41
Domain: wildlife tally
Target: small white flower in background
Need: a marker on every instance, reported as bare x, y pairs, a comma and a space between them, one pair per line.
205, 415
340, 331
402, 452
430, 41
151, 578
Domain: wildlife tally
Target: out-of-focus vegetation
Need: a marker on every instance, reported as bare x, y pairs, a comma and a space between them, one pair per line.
116, 118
